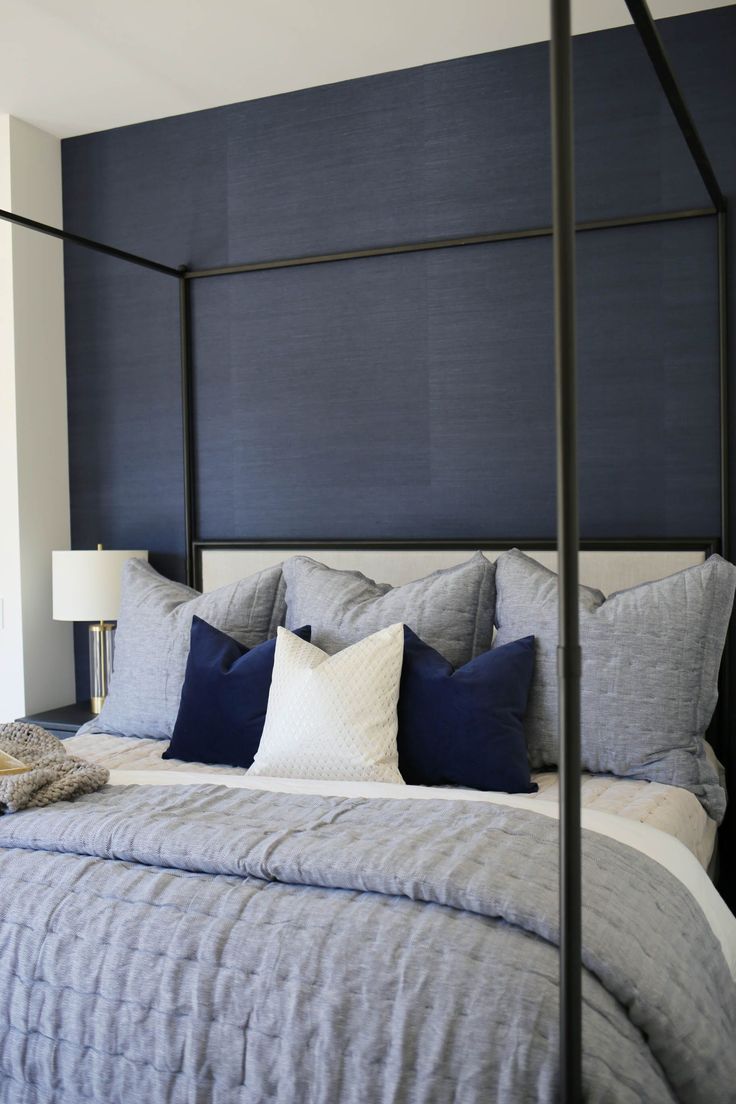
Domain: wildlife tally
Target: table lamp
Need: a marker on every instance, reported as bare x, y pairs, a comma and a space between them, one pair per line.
86, 587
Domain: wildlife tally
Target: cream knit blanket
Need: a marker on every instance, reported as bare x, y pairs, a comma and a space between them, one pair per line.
53, 775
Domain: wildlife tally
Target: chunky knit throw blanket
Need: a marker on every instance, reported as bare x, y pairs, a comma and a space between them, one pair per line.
54, 775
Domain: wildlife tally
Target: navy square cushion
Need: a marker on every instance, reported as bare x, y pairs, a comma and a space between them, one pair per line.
465, 727
224, 698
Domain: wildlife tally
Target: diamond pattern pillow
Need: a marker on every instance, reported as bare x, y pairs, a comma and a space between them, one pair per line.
333, 717
224, 698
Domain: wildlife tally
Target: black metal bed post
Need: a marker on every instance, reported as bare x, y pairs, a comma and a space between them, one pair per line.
650, 37
568, 540
652, 42
725, 450
184, 328
187, 421
724, 724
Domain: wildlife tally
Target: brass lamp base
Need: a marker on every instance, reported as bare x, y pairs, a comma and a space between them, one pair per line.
101, 647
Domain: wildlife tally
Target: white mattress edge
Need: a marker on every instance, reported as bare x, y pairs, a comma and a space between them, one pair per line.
663, 848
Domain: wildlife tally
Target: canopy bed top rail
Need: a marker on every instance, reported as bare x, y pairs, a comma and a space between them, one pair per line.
88, 243
447, 243
650, 37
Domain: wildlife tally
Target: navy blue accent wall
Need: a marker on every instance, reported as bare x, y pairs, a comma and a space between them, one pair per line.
123, 392
408, 395
414, 394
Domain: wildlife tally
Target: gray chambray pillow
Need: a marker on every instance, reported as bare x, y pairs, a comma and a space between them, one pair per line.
152, 641
650, 670
451, 610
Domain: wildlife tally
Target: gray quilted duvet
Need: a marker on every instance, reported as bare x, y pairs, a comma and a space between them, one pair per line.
198, 945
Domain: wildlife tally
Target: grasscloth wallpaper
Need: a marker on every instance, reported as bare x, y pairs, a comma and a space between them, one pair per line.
409, 395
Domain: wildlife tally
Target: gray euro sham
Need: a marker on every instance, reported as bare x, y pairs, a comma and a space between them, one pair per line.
651, 657
451, 609
185, 944
152, 641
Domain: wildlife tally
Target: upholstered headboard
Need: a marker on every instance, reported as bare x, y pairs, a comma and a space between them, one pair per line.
608, 569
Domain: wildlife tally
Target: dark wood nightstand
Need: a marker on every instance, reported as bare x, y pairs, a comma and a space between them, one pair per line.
64, 721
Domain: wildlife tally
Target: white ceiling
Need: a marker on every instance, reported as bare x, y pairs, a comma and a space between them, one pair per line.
74, 66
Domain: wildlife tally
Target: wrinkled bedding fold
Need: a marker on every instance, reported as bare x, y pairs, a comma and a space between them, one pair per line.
672, 810
195, 943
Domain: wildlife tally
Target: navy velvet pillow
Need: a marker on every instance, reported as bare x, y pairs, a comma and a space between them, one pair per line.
465, 727
224, 698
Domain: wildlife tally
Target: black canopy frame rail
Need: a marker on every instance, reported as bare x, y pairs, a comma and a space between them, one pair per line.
563, 232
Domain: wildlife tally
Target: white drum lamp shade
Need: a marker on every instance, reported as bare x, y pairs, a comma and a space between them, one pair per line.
86, 587
87, 584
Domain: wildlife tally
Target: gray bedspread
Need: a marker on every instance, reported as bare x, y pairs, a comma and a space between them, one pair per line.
203, 945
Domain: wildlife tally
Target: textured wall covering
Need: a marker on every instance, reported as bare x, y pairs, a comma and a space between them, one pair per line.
404, 396
413, 394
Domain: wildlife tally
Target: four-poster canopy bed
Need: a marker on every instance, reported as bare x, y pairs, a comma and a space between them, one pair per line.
562, 232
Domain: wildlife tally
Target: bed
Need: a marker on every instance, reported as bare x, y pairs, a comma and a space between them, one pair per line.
194, 933
198, 936
665, 808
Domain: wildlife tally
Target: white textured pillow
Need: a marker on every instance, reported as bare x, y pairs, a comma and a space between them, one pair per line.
333, 717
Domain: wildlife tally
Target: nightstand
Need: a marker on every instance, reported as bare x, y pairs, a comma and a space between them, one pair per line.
64, 721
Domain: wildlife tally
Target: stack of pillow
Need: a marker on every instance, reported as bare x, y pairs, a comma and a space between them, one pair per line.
407, 684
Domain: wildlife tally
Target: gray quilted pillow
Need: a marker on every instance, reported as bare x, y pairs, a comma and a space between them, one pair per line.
152, 641
451, 610
650, 670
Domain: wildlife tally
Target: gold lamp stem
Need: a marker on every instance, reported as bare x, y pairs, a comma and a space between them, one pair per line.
99, 660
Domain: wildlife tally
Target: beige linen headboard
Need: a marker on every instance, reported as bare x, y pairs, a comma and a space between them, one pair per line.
608, 570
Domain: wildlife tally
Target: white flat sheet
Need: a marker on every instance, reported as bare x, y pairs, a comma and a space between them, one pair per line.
668, 808
658, 845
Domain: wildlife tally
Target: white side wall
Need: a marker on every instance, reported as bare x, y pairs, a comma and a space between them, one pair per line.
36, 653
12, 690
